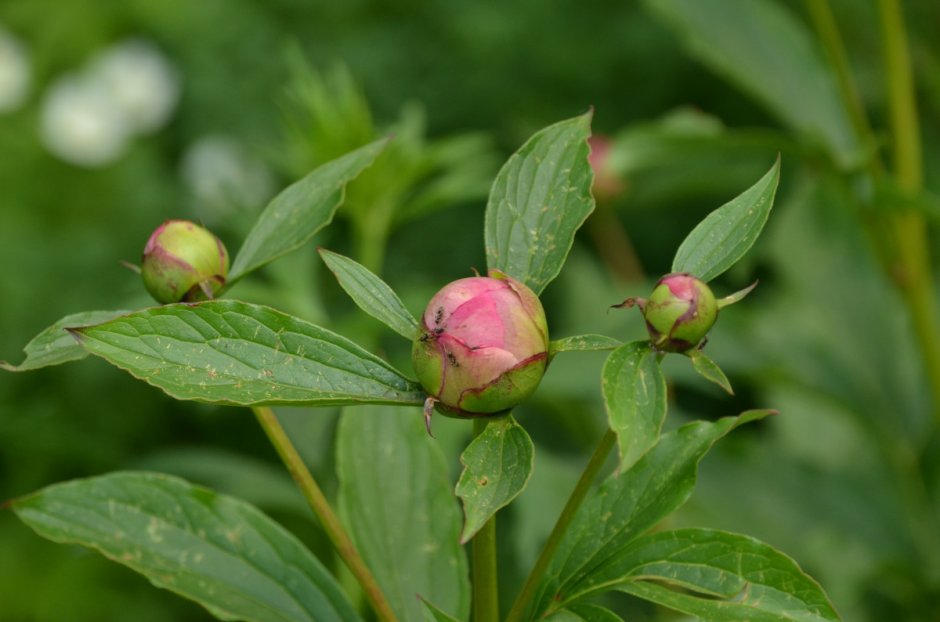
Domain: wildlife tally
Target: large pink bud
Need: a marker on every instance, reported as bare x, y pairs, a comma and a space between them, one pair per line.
483, 345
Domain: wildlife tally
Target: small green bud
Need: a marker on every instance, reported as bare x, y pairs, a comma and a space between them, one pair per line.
184, 262
679, 313
483, 345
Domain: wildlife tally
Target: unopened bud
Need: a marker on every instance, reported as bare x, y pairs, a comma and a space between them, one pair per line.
483, 345
184, 262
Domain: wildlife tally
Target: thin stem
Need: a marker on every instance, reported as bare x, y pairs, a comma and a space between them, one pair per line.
561, 525
824, 23
483, 549
328, 519
910, 249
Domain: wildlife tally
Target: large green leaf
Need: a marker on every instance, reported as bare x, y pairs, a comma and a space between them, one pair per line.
497, 466
300, 210
539, 199
760, 46
371, 293
725, 235
719, 576
628, 505
635, 397
233, 352
396, 500
54, 345
216, 550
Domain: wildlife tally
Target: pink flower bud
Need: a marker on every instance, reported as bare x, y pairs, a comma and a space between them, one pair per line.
483, 345
183, 261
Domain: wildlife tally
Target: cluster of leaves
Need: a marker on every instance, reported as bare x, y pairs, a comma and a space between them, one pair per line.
226, 555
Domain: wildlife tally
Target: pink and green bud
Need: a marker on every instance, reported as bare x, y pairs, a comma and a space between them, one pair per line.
184, 262
679, 313
483, 345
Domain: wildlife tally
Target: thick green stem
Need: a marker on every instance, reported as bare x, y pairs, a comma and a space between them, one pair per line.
483, 551
561, 526
328, 519
910, 250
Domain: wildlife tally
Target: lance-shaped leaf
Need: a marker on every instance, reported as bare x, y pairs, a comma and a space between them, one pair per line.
371, 293
216, 550
634, 391
396, 500
539, 199
301, 210
434, 614
497, 466
709, 370
627, 505
715, 575
54, 345
232, 352
725, 235
761, 46
582, 343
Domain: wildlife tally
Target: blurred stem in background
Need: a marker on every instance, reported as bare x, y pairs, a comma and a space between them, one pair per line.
905, 237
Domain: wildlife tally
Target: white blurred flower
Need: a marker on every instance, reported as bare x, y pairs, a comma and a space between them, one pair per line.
140, 80
14, 72
80, 122
224, 177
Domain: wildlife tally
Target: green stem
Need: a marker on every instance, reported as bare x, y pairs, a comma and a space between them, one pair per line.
483, 550
561, 526
911, 267
824, 23
321, 507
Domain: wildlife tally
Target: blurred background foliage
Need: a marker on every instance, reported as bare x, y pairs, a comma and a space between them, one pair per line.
116, 116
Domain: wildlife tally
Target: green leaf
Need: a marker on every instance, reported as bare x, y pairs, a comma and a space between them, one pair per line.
216, 550
709, 370
301, 210
232, 352
539, 199
433, 614
54, 345
736, 297
582, 343
628, 505
497, 466
725, 235
584, 612
760, 46
395, 498
635, 397
371, 293
720, 576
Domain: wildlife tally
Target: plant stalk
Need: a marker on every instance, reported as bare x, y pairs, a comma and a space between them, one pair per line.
483, 548
561, 525
321, 507
911, 267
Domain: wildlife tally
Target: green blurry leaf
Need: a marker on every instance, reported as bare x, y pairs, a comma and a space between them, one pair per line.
725, 235
736, 297
54, 345
372, 294
582, 343
433, 614
760, 46
584, 612
635, 397
539, 199
216, 550
395, 498
300, 210
709, 370
233, 352
627, 505
497, 465
715, 575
